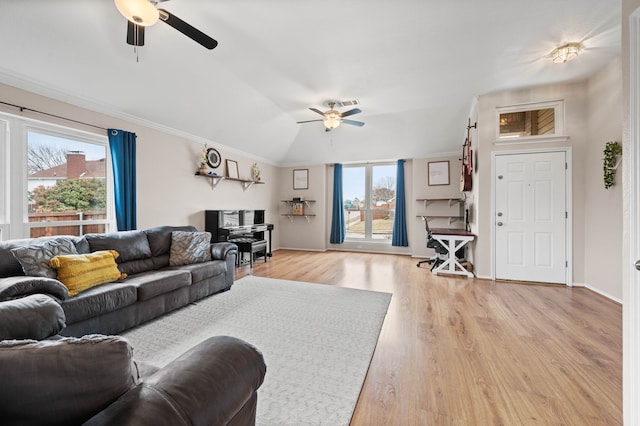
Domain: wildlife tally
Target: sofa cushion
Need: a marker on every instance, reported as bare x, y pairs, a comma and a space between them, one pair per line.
36, 316
20, 286
189, 247
99, 300
160, 238
79, 272
34, 259
153, 283
132, 245
202, 271
65, 381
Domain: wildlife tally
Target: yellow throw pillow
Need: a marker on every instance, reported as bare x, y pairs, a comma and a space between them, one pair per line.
79, 272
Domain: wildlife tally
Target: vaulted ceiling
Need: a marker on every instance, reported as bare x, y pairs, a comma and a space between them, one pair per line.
414, 65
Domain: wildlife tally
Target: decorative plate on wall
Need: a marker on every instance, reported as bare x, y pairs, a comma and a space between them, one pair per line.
213, 158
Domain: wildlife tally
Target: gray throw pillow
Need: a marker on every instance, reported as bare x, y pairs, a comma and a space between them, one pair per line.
189, 247
63, 382
35, 259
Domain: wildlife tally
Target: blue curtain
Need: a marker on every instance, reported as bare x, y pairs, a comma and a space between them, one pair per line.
337, 218
123, 158
399, 238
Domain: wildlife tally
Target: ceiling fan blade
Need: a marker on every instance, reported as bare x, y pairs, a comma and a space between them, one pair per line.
351, 112
188, 30
307, 121
317, 110
135, 34
353, 123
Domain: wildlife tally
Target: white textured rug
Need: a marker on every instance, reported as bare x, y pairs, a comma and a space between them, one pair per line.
317, 341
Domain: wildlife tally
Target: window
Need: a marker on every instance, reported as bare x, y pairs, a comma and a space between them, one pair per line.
369, 192
58, 181
543, 121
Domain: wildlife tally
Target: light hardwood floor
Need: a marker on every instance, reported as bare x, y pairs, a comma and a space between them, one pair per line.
459, 351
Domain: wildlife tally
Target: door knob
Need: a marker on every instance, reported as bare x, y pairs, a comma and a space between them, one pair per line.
499, 214
637, 265
500, 224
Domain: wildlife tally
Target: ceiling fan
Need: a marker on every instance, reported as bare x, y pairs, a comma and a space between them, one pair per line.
143, 13
332, 118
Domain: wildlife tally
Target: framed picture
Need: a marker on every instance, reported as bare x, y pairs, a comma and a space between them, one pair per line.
232, 169
301, 179
438, 173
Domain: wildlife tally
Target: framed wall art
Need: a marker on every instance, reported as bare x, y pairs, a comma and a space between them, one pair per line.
301, 179
232, 169
438, 173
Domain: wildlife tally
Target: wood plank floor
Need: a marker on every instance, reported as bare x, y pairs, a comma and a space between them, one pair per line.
458, 351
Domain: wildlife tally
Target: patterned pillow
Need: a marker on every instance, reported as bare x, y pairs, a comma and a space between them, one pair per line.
189, 247
79, 272
35, 259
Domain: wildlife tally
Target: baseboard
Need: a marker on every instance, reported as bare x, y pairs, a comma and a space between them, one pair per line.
598, 291
300, 249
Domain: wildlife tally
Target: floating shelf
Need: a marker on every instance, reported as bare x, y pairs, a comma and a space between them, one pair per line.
291, 216
435, 216
215, 180
451, 201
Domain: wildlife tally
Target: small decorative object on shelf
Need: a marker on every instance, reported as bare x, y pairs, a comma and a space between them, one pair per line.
255, 171
202, 161
297, 208
611, 151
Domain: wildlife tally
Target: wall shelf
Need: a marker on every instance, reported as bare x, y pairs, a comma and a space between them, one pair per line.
291, 216
448, 213
297, 209
216, 179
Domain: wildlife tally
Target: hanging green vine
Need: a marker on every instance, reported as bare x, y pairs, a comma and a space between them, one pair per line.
611, 151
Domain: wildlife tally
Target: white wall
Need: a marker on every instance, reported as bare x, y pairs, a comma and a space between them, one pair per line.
603, 207
575, 110
298, 233
168, 192
422, 190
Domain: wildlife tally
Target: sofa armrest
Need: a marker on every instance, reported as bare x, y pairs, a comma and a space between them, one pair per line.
207, 385
220, 251
20, 286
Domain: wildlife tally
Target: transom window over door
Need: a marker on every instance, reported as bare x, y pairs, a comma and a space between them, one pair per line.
369, 192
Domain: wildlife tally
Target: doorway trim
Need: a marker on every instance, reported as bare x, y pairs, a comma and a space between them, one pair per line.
631, 277
568, 204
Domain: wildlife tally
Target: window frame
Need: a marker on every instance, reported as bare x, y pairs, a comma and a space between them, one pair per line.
14, 201
558, 117
368, 202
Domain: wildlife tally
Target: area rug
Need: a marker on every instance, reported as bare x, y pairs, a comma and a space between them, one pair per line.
317, 341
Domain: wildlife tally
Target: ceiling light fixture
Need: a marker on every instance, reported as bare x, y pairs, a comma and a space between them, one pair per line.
332, 119
140, 12
562, 54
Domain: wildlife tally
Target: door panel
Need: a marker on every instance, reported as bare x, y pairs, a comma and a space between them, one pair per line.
530, 231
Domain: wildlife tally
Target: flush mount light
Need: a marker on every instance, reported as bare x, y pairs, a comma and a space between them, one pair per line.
567, 52
140, 12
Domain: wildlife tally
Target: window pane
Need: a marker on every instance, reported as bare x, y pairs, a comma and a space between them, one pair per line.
353, 191
66, 181
383, 197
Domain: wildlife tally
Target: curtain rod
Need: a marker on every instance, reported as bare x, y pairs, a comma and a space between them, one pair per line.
21, 108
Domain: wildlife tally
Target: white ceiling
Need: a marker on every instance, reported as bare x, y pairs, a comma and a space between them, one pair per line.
414, 65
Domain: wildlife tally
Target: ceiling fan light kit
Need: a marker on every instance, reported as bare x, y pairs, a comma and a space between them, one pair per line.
143, 13
140, 12
332, 118
565, 53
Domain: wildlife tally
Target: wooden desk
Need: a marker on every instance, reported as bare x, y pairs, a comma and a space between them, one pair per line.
453, 240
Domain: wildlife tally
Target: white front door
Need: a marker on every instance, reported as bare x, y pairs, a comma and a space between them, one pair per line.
530, 217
